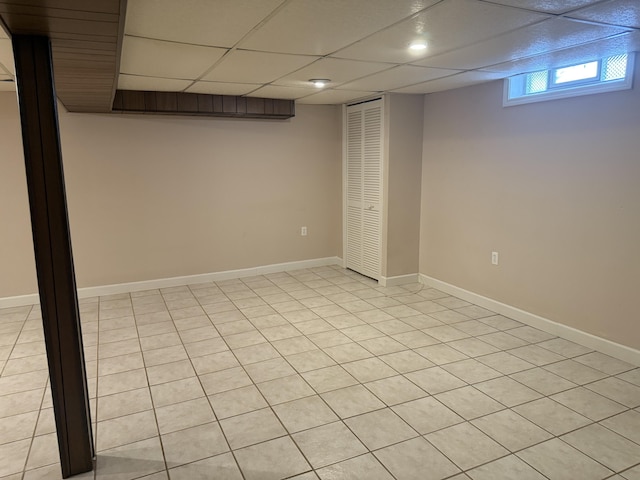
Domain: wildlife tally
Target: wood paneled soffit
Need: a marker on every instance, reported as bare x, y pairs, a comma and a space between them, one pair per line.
86, 40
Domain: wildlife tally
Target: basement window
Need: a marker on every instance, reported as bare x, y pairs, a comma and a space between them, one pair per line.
596, 76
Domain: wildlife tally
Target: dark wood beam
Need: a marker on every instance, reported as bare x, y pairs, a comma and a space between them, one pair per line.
176, 103
52, 245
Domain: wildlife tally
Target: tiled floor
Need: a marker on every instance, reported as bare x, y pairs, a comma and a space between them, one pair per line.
320, 373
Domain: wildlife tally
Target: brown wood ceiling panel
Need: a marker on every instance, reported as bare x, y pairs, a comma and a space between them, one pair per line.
86, 39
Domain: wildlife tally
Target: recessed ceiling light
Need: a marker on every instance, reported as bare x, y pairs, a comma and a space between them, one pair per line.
417, 46
319, 82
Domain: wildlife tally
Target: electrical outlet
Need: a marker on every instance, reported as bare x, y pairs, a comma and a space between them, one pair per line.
303, 231
494, 258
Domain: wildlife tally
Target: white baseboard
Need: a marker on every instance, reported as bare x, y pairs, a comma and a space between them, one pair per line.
399, 280
178, 281
621, 352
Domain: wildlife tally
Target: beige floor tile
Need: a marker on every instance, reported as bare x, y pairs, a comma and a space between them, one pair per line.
473, 347
441, 354
125, 403
505, 363
427, 415
256, 353
469, 403
197, 443
17, 427
631, 474
558, 460
251, 428
435, 380
198, 334
314, 326
46, 420
329, 444
632, 376
238, 401
604, 363
369, 369
122, 382
123, 430
445, 333
564, 347
507, 391
350, 401
179, 416
395, 390
160, 341
448, 316
207, 347
618, 390
223, 467
466, 446
329, 338
311, 360
23, 382
610, 449
269, 370
362, 332
380, 428
475, 327
214, 362
163, 356
130, 461
473, 311
159, 328
503, 340
25, 365
285, 389
224, 380
44, 451
587, 403
280, 332
13, 457
329, 378
122, 363
511, 430
626, 424
506, 468
118, 348
552, 416
291, 346
170, 372
239, 326
176, 391
416, 459
406, 361
542, 381
575, 372
382, 345
364, 466
471, 371
271, 460
305, 413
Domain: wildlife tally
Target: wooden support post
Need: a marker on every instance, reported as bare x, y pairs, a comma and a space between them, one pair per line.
52, 245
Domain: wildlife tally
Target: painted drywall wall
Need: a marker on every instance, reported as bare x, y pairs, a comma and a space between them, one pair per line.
402, 183
158, 196
553, 187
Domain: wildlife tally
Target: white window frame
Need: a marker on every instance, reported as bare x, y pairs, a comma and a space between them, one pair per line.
572, 89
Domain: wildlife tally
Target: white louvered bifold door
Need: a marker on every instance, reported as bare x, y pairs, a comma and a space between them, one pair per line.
364, 188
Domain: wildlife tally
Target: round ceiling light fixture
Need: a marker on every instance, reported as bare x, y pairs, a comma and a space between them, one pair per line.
319, 82
418, 46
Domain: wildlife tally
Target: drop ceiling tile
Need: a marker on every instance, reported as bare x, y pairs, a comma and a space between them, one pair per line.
320, 27
7, 86
571, 56
6, 56
334, 97
220, 23
550, 6
338, 71
256, 67
220, 88
614, 12
287, 93
158, 58
448, 25
133, 82
459, 80
542, 37
397, 77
